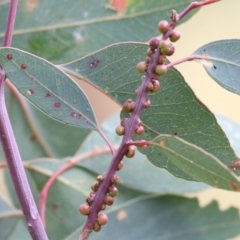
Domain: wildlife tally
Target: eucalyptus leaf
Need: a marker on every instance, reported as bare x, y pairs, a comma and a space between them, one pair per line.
48, 88
137, 172
174, 110
61, 31
222, 62
167, 218
196, 162
38, 135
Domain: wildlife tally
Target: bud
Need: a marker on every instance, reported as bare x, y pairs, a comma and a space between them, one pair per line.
109, 200
119, 130
100, 178
163, 26
84, 209
161, 69
162, 59
115, 179
153, 43
96, 227
95, 186
147, 103
113, 191
120, 166
102, 219
139, 130
128, 106
130, 152
175, 36
141, 67
150, 52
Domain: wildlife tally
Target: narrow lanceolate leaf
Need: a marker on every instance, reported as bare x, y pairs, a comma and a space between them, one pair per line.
197, 163
221, 60
168, 218
47, 88
175, 110
65, 30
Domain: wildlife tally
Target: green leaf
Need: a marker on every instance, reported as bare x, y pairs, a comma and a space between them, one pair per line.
167, 218
221, 61
10, 219
137, 172
197, 163
63, 31
38, 135
67, 193
232, 130
48, 88
175, 110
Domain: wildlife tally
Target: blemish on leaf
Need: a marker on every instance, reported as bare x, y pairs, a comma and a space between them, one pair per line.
9, 56
94, 63
30, 91
204, 60
48, 95
55, 206
235, 165
201, 103
214, 67
76, 115
121, 215
23, 66
32, 78
162, 143
57, 104
215, 180
33, 137
234, 186
117, 5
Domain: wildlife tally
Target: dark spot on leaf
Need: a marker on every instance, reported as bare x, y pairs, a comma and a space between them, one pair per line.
32, 78
48, 94
23, 66
76, 115
204, 50
57, 104
201, 103
234, 186
33, 137
94, 63
175, 133
9, 56
214, 67
55, 206
235, 165
30, 91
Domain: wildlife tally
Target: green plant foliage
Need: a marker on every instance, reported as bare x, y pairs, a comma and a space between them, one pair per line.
48, 88
175, 110
197, 163
61, 31
221, 61
168, 217
137, 172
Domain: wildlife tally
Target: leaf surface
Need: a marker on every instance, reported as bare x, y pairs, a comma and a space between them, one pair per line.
167, 218
196, 162
47, 88
61, 31
174, 110
222, 62
137, 172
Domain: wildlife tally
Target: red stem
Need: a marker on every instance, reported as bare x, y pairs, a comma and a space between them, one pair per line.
10, 147
130, 127
44, 193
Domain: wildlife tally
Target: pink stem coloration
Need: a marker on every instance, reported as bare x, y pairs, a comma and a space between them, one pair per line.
44, 193
131, 125
182, 60
10, 147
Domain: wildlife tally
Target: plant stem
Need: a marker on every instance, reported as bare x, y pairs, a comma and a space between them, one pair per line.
181, 60
131, 125
72, 162
10, 147
12, 12
17, 172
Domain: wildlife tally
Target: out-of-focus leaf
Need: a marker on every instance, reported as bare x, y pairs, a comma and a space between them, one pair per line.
167, 218
222, 62
232, 130
38, 135
62, 30
67, 193
137, 172
197, 163
48, 88
174, 110
10, 219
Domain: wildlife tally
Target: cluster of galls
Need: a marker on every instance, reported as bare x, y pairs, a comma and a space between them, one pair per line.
108, 201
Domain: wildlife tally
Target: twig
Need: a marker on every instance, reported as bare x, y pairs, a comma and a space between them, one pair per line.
185, 59
44, 193
131, 125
